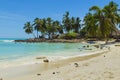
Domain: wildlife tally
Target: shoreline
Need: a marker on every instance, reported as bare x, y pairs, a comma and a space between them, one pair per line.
22, 70
32, 40
44, 66
38, 59
59, 68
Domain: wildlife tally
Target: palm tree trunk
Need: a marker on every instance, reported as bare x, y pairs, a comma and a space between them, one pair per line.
37, 33
34, 35
117, 39
49, 35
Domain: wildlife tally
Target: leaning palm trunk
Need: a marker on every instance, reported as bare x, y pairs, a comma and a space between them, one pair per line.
107, 39
34, 35
37, 33
117, 39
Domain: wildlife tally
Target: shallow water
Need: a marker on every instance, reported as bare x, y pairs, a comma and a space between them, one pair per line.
10, 51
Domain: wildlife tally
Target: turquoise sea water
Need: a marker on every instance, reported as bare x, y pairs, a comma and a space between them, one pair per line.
10, 50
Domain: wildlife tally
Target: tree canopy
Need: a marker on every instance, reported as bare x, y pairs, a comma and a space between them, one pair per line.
97, 23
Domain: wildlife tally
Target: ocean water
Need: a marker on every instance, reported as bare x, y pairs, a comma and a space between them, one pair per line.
10, 50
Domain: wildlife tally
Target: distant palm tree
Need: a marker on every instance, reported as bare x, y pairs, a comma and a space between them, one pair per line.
38, 26
49, 27
59, 27
66, 22
77, 25
44, 30
55, 24
28, 28
73, 23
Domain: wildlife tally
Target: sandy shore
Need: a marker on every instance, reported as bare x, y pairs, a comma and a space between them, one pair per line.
103, 66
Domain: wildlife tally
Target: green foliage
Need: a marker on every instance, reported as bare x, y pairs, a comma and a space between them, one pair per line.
70, 35
98, 23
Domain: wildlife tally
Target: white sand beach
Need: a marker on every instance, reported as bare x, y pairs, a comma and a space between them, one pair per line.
103, 66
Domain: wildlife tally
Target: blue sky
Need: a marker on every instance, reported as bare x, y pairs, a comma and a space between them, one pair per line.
14, 13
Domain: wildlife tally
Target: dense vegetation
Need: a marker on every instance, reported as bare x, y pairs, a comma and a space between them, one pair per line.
98, 23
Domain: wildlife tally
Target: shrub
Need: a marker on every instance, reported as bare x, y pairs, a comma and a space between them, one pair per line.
71, 35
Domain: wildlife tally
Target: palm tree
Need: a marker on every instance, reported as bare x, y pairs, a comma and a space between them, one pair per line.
66, 22
110, 11
49, 27
73, 23
77, 25
98, 14
55, 24
90, 25
107, 18
59, 27
44, 27
104, 23
38, 26
56, 28
28, 28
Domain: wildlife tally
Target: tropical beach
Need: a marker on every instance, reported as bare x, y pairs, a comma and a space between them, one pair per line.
102, 66
59, 42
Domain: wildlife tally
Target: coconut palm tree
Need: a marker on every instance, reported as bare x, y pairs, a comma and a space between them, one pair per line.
66, 22
49, 27
90, 25
77, 25
38, 26
59, 27
110, 11
104, 23
107, 18
44, 27
73, 24
98, 14
28, 28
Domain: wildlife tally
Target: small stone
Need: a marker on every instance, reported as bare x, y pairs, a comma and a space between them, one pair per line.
46, 60
53, 72
76, 64
38, 74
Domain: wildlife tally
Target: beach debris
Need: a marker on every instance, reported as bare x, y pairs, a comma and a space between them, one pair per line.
40, 57
46, 60
83, 46
97, 46
53, 72
87, 46
38, 74
76, 64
